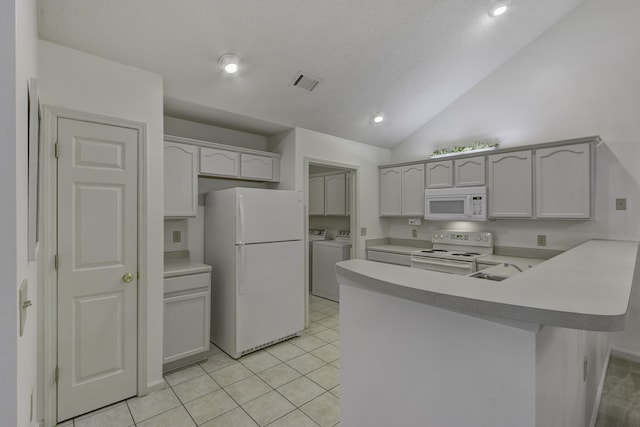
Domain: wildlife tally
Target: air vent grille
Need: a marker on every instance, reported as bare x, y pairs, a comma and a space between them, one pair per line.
305, 82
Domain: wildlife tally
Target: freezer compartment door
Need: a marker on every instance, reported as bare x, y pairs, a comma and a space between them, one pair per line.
270, 300
268, 216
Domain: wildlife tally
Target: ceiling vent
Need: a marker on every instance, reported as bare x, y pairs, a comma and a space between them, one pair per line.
305, 82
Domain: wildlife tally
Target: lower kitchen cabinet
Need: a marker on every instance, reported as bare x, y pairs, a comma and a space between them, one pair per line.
187, 309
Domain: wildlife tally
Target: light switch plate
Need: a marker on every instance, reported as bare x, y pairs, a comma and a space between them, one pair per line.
363, 231
542, 240
177, 236
414, 233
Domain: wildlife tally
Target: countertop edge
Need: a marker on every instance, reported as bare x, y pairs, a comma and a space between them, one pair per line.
476, 304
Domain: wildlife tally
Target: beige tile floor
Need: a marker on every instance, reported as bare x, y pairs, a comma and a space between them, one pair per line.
620, 403
295, 383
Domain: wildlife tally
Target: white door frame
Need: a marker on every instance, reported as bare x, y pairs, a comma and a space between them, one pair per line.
354, 218
47, 277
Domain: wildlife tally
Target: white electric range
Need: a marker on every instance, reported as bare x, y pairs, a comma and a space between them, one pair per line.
454, 252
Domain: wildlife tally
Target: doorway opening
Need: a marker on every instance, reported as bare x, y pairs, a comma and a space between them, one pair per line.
332, 219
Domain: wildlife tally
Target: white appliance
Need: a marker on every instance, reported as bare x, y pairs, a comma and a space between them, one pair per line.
254, 242
326, 253
315, 234
456, 204
454, 252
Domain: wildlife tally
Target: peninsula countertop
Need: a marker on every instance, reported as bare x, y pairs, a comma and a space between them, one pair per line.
587, 287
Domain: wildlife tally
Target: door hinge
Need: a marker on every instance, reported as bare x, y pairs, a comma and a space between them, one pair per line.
56, 261
57, 149
57, 375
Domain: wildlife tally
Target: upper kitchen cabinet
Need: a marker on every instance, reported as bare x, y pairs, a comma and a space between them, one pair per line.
226, 161
180, 180
563, 182
316, 195
402, 190
391, 191
510, 185
469, 172
335, 194
348, 191
219, 162
328, 194
256, 167
439, 174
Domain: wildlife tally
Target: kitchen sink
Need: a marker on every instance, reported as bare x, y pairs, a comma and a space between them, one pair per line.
486, 276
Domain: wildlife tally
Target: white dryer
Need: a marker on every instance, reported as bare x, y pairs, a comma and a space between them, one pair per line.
315, 235
326, 254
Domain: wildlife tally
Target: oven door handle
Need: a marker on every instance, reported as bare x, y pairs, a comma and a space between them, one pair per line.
464, 264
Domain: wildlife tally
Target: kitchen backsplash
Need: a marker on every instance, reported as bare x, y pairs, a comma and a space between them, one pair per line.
176, 229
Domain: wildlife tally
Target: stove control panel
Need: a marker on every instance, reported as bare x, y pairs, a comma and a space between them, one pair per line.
466, 238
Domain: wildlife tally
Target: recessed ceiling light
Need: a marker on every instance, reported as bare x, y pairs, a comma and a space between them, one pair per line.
498, 8
230, 63
378, 118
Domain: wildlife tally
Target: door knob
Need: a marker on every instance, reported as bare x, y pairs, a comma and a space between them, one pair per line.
128, 277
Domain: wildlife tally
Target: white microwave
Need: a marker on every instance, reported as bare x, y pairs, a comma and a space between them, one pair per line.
456, 204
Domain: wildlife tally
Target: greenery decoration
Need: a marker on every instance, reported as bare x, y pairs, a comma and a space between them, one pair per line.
476, 145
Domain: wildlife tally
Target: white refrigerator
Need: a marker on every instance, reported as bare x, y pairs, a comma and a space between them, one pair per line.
254, 244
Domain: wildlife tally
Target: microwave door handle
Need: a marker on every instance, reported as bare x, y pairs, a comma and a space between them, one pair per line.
468, 212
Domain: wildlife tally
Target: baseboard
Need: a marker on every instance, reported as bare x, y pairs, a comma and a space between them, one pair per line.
156, 386
631, 356
596, 403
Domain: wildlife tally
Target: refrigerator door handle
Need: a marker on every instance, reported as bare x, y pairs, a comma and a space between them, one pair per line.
240, 268
241, 218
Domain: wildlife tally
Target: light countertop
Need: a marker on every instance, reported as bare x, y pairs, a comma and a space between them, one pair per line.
182, 266
521, 262
587, 287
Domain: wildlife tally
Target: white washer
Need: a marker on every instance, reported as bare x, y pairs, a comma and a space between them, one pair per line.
326, 254
315, 234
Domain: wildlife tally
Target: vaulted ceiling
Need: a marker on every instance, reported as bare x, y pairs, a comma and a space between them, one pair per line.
409, 59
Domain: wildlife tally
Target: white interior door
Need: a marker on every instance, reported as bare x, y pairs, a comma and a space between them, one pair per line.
97, 273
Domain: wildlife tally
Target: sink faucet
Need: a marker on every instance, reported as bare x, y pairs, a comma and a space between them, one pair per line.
506, 264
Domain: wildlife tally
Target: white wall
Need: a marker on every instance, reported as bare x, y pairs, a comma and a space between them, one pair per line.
18, 356
83, 82
303, 144
580, 78
8, 290
204, 132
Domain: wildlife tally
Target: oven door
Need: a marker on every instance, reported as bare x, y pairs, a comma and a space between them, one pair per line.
443, 265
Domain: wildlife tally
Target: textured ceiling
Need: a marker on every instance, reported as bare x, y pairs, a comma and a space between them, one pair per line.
407, 58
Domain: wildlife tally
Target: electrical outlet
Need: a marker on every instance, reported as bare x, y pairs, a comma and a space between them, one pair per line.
414, 233
415, 221
542, 240
363, 231
621, 204
177, 236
